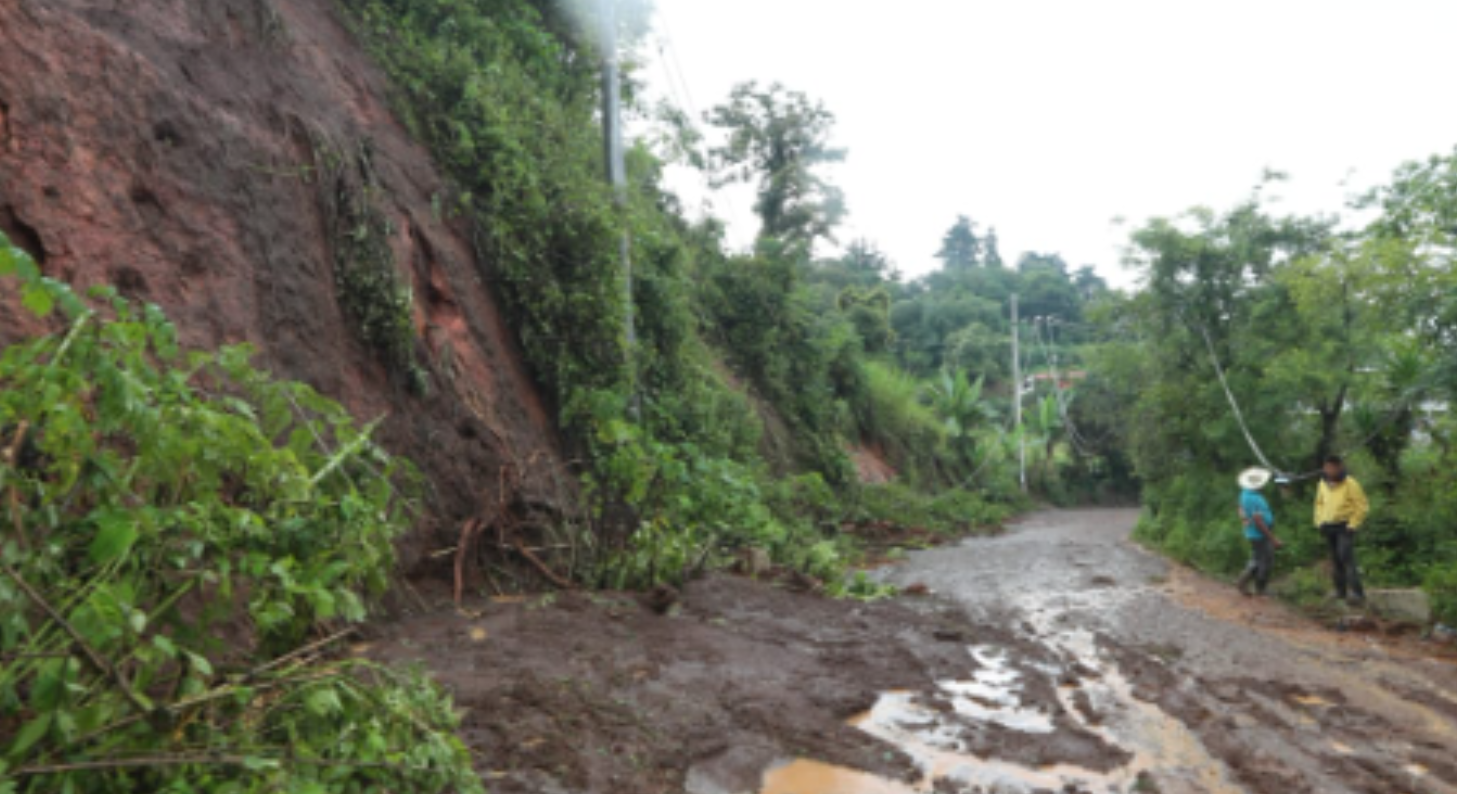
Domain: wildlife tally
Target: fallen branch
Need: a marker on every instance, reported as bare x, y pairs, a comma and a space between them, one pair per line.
541, 566
209, 759
468, 530
226, 691
12, 452
310, 648
92, 657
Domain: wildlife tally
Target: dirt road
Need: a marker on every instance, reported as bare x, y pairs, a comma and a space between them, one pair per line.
1206, 691
1056, 657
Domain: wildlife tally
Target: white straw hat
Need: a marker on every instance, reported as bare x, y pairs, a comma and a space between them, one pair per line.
1254, 479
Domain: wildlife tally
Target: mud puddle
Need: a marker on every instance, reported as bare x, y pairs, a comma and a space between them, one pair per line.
942, 732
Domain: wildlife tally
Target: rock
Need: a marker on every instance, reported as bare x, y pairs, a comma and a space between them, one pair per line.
1356, 623
1407, 606
757, 562
662, 599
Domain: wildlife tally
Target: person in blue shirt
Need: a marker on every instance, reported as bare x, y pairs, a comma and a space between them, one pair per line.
1259, 526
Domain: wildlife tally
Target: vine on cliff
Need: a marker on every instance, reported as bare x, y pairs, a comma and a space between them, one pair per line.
366, 278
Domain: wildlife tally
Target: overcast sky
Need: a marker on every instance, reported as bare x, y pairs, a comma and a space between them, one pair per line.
1048, 119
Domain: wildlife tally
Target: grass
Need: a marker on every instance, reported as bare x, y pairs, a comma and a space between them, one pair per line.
897, 420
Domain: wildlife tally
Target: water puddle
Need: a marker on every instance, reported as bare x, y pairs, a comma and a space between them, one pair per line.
993, 694
812, 777
932, 731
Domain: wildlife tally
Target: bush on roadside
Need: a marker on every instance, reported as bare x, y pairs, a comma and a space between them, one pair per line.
949, 512
179, 529
1441, 584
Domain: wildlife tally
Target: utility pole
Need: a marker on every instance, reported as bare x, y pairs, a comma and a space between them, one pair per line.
1017, 399
617, 177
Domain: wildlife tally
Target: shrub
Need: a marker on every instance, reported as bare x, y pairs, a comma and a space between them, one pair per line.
177, 524
894, 417
950, 512
1441, 585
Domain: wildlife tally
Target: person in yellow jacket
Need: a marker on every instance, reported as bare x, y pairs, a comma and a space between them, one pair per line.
1340, 510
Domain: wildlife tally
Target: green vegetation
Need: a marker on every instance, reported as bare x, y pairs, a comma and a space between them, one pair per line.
1334, 339
779, 138
181, 529
188, 538
369, 285
754, 376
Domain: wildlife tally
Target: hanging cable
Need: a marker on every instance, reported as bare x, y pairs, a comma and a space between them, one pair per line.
1404, 402
1234, 406
1078, 441
676, 77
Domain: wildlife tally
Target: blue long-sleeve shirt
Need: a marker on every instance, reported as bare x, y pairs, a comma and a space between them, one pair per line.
1251, 504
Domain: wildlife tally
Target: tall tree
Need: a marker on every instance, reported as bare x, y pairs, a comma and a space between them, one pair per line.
868, 309
1218, 288
1032, 260
867, 264
960, 248
993, 256
1089, 284
780, 140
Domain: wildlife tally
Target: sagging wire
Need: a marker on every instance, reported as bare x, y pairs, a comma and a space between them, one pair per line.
1079, 441
1239, 414
1405, 401
677, 77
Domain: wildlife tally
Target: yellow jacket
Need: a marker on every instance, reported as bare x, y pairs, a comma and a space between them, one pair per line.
1342, 502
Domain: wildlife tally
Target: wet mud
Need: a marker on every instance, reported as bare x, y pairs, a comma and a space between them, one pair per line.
1208, 691
1056, 657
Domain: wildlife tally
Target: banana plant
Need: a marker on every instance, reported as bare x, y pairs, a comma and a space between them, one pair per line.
965, 414
1044, 427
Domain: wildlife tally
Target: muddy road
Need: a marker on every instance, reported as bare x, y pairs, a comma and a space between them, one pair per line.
1056, 657
1199, 689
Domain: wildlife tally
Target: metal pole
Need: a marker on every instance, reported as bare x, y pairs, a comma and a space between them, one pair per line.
1017, 400
617, 177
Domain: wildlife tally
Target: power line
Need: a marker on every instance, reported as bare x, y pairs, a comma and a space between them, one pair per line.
1103, 440
676, 75
1234, 406
1404, 402
678, 65
1080, 443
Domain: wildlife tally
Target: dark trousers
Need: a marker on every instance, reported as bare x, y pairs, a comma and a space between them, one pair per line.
1262, 559
1347, 576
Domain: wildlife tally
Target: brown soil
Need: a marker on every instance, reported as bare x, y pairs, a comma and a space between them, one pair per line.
871, 467
1331, 629
1056, 657
601, 693
167, 147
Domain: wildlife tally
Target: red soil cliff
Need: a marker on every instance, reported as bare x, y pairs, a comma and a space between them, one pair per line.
169, 147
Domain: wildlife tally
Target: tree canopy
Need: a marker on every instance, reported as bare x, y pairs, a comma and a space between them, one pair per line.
779, 140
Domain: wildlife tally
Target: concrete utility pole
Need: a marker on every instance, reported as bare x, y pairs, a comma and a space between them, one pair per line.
1017, 399
617, 177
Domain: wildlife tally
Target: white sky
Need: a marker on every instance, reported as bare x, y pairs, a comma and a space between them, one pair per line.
1049, 118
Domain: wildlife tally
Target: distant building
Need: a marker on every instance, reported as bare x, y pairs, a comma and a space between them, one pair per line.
1065, 380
